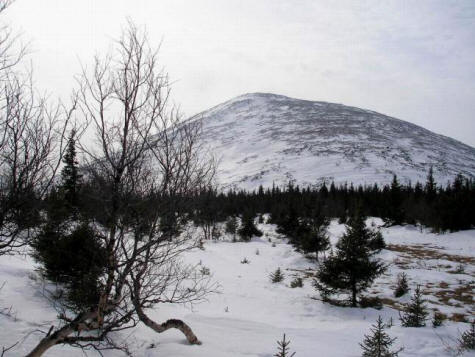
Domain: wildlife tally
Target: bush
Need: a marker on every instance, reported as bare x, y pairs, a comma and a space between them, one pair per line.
205, 271
277, 276
245, 261
368, 301
76, 259
296, 283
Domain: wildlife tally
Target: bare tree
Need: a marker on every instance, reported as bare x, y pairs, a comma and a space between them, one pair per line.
145, 165
11, 49
31, 138
12, 97
31, 146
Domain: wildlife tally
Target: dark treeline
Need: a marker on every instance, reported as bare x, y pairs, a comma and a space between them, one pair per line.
448, 208
295, 210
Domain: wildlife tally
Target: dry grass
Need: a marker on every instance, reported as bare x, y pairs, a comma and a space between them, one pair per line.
422, 251
392, 303
443, 285
462, 294
459, 296
307, 273
455, 295
459, 317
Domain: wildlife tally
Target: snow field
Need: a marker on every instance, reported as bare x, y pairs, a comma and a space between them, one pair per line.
250, 313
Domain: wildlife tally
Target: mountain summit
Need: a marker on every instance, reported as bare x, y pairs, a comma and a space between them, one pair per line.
263, 138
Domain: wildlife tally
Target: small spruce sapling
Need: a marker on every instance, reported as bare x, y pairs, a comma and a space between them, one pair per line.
415, 314
467, 339
277, 276
402, 286
438, 319
283, 348
296, 283
205, 270
460, 269
378, 343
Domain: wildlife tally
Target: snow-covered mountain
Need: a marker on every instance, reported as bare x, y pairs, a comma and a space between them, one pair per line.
265, 138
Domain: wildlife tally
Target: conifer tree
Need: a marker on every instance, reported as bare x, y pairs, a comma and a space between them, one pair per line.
169, 225
70, 176
430, 187
314, 237
377, 242
231, 226
416, 312
402, 286
353, 267
288, 224
395, 214
249, 229
378, 343
208, 212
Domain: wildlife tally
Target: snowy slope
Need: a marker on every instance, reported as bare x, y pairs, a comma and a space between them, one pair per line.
264, 138
250, 313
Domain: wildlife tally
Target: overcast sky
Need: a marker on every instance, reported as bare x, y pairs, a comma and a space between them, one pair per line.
414, 60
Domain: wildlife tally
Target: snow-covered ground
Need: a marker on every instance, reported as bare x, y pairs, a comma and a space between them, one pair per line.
250, 313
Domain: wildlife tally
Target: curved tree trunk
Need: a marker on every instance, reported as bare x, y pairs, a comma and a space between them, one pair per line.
172, 323
61, 335
48, 342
